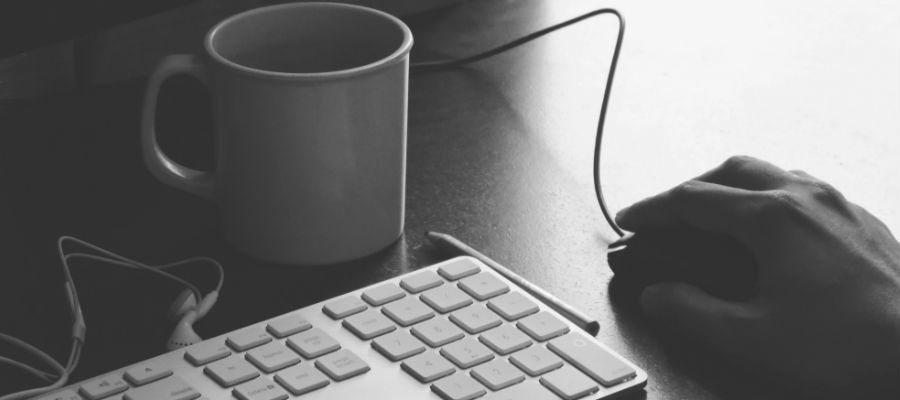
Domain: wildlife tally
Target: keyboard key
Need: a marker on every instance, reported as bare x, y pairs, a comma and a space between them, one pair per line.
497, 374
475, 318
408, 311
383, 294
543, 326
418, 282
505, 339
260, 389
288, 325
437, 332
171, 388
569, 383
458, 387
345, 306
590, 358
512, 306
530, 390
536, 360
427, 367
146, 373
446, 298
459, 268
206, 352
313, 343
342, 364
398, 345
103, 387
483, 286
369, 324
467, 352
63, 395
231, 371
301, 379
272, 357
248, 339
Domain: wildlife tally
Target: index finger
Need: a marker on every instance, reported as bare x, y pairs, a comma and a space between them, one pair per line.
709, 206
749, 173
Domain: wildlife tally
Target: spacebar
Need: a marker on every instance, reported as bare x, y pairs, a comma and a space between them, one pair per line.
591, 359
171, 388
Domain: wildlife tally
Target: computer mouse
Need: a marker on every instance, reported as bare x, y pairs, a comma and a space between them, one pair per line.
714, 262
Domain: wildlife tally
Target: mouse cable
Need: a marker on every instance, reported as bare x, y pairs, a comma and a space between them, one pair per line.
431, 66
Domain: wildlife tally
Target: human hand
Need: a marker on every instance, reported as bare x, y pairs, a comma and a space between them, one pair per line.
826, 314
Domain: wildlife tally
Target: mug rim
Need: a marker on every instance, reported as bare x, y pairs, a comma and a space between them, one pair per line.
399, 53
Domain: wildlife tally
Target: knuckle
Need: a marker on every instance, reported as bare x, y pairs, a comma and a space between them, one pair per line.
738, 163
684, 190
775, 205
823, 191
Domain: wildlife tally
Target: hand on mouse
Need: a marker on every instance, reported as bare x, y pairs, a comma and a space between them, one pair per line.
826, 314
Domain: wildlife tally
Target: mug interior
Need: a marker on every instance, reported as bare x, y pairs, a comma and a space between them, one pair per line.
304, 38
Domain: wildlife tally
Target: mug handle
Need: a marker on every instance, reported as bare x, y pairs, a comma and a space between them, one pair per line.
160, 165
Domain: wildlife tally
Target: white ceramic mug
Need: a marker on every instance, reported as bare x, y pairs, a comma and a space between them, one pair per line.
309, 115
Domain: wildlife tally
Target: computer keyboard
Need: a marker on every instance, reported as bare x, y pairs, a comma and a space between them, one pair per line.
456, 330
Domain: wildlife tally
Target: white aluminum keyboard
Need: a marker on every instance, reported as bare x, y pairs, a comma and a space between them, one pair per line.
456, 330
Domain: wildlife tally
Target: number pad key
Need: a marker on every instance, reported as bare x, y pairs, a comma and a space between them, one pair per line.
467, 352
512, 306
475, 318
398, 345
591, 359
301, 379
536, 360
313, 343
231, 371
437, 332
458, 387
569, 383
383, 294
543, 326
446, 298
497, 374
459, 268
530, 390
427, 367
408, 311
272, 357
260, 389
342, 364
483, 286
505, 339
369, 324
103, 387
421, 281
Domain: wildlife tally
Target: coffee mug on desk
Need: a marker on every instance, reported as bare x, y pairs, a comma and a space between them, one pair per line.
309, 118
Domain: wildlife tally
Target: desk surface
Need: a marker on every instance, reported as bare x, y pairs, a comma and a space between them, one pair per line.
499, 156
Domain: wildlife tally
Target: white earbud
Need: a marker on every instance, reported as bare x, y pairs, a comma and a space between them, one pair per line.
184, 334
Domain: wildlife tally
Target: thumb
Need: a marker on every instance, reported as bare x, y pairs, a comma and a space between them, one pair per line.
685, 309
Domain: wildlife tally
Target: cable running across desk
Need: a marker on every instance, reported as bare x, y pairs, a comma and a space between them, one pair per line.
431, 66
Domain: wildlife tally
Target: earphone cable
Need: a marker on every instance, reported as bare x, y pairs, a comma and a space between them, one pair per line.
430, 66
